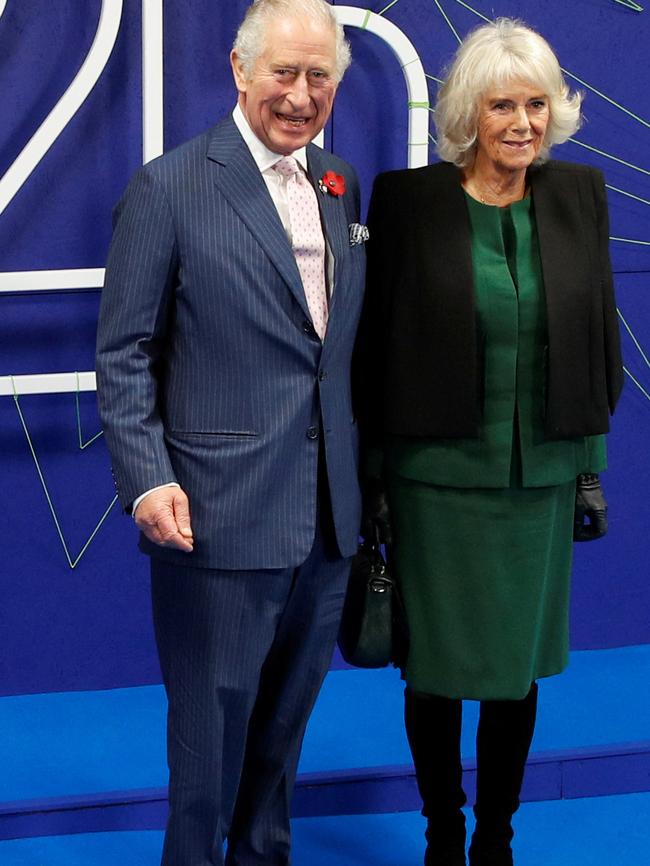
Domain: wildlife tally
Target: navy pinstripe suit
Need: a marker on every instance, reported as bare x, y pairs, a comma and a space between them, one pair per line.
211, 374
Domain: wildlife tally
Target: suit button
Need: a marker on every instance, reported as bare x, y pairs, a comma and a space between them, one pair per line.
312, 433
322, 375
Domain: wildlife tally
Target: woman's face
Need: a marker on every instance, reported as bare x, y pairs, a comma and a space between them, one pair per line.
512, 122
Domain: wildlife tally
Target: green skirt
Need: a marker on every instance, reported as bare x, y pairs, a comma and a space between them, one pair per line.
485, 575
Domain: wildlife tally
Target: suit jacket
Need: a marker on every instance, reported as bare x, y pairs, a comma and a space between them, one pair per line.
420, 370
209, 370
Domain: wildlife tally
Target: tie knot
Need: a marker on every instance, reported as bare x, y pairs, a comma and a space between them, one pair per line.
287, 167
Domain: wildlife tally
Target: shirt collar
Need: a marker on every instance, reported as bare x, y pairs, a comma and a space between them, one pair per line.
264, 158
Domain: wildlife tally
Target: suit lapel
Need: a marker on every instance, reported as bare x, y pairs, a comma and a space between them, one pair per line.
238, 178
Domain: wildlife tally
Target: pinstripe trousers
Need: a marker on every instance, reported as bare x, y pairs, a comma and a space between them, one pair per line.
243, 656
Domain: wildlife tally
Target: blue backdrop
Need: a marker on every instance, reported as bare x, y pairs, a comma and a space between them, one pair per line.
90, 627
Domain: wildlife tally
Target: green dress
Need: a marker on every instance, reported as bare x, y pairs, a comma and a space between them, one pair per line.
483, 527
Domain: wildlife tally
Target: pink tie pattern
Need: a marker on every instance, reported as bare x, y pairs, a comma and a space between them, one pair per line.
307, 239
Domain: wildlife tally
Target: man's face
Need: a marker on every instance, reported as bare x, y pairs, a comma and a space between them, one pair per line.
288, 97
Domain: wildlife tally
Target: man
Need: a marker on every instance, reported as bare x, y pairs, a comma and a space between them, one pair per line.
233, 290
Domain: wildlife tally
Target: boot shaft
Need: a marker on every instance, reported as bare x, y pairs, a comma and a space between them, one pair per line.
433, 727
504, 736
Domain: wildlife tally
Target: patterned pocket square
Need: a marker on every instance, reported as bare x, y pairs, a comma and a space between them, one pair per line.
358, 234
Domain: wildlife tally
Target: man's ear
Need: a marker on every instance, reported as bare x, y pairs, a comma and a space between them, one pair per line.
238, 72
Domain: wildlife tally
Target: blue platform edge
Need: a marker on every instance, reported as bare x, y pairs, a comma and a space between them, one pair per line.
595, 831
578, 773
591, 741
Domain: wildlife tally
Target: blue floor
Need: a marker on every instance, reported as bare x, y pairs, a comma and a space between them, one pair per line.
88, 742
603, 831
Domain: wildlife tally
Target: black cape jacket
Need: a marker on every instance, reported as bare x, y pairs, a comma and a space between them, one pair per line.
418, 366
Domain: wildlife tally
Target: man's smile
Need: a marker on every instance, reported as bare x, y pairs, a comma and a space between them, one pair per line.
292, 121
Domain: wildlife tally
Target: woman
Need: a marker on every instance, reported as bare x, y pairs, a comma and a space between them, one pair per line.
490, 362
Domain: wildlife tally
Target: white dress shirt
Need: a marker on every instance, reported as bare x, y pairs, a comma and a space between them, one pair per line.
265, 159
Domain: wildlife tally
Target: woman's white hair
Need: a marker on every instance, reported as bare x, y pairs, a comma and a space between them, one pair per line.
492, 56
249, 42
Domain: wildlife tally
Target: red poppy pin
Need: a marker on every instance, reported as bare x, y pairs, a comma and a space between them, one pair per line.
332, 183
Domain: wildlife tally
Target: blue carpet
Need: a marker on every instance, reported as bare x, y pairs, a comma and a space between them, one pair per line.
603, 831
87, 742
602, 697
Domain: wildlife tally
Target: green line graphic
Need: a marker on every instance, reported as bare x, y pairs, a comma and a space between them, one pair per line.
637, 383
446, 17
634, 339
641, 351
630, 241
386, 8
630, 4
475, 11
609, 156
605, 97
72, 562
628, 194
83, 445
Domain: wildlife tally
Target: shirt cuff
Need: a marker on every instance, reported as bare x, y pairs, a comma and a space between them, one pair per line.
139, 499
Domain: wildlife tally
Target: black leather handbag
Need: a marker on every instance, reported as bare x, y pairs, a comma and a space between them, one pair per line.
373, 630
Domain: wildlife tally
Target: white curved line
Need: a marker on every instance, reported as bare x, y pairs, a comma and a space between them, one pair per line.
105, 38
416, 82
68, 105
3, 6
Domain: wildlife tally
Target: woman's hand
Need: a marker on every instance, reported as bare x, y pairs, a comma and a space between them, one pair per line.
375, 519
591, 504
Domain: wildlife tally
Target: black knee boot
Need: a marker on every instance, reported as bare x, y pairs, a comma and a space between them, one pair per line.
505, 731
433, 727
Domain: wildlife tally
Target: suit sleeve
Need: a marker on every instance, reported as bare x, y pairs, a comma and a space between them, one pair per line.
613, 360
135, 308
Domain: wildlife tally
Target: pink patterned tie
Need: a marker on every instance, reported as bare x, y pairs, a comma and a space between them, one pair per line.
306, 239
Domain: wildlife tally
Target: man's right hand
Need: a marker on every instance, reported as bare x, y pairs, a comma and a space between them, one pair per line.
164, 517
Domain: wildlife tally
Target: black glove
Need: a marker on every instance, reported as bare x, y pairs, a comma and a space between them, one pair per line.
590, 503
375, 519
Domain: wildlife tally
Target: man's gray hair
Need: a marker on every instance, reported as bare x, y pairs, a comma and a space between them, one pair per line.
490, 57
249, 42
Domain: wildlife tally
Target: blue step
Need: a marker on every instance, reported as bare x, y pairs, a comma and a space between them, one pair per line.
96, 760
601, 831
